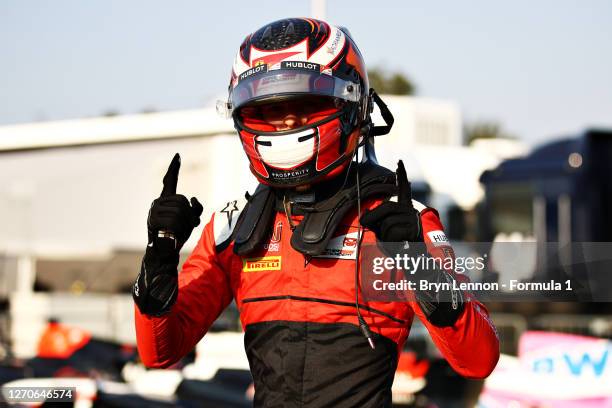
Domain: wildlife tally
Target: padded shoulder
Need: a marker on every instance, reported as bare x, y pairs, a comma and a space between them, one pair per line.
225, 220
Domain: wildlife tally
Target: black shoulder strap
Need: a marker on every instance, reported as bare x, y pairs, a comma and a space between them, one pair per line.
313, 233
255, 222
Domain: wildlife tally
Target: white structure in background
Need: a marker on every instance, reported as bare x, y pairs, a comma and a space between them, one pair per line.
79, 189
215, 351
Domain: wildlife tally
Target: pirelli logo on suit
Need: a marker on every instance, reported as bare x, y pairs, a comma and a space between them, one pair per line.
266, 263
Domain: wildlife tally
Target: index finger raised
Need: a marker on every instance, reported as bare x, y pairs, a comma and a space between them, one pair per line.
404, 190
171, 177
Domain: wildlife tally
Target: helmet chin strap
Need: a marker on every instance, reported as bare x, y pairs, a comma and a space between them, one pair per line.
384, 112
368, 131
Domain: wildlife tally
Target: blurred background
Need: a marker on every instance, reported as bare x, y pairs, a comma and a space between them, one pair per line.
503, 118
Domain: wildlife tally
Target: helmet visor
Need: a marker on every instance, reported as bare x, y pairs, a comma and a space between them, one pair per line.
291, 82
282, 113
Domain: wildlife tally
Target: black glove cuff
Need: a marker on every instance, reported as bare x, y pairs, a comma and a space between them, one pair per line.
442, 308
156, 288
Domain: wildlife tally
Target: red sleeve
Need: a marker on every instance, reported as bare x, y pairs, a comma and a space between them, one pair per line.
204, 292
471, 345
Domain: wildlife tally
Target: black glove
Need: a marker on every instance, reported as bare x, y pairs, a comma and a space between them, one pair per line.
397, 226
170, 223
395, 221
442, 308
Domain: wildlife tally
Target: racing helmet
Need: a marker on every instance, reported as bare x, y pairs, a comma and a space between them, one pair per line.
307, 72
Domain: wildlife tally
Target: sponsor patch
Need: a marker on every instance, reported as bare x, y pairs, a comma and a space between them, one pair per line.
275, 239
272, 247
342, 247
437, 237
277, 233
266, 263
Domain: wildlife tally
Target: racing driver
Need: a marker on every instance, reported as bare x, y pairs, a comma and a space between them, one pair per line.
288, 254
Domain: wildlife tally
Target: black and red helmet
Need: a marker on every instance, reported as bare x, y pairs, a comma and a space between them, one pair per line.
308, 67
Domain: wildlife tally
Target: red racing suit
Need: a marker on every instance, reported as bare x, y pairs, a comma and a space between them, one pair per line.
299, 316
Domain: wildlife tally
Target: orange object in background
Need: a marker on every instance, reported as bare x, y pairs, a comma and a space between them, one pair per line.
61, 341
408, 364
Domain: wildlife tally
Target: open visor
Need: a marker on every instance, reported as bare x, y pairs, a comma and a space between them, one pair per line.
265, 84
